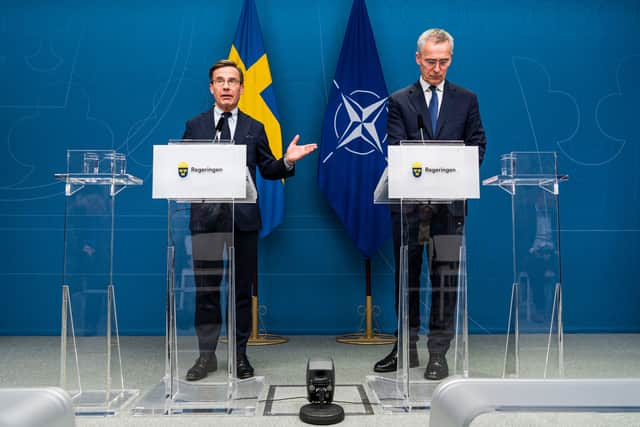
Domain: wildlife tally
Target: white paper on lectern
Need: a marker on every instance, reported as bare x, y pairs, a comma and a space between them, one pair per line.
446, 172
214, 171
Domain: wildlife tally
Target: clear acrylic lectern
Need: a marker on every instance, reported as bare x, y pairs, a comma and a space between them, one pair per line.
202, 182
427, 184
534, 342
90, 360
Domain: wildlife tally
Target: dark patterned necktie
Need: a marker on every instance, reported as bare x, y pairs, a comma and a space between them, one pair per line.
225, 135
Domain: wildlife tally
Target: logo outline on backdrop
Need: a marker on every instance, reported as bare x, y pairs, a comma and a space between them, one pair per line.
361, 122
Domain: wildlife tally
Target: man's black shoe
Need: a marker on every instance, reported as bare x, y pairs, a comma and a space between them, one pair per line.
390, 362
202, 367
244, 369
437, 367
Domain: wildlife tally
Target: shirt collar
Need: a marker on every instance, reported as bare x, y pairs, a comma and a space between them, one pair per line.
218, 112
425, 85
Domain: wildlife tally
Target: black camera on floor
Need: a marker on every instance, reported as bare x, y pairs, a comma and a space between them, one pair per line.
321, 383
321, 379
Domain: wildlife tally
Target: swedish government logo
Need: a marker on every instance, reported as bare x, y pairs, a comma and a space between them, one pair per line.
356, 123
416, 168
183, 169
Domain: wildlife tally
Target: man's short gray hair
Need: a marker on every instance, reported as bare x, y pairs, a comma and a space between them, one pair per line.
438, 35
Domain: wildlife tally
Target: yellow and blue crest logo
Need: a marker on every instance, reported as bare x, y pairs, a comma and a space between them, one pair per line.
183, 169
416, 167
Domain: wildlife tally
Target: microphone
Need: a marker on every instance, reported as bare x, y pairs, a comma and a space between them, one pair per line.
421, 126
219, 128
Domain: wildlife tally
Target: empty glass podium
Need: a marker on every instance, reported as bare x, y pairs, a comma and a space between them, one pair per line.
427, 184
202, 182
598, 382
91, 361
534, 343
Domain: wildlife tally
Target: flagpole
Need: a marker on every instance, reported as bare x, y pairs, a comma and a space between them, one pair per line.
256, 338
246, 50
368, 337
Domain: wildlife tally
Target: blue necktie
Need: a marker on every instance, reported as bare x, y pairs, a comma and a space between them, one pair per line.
433, 109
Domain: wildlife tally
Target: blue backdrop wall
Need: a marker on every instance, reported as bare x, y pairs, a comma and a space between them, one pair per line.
558, 76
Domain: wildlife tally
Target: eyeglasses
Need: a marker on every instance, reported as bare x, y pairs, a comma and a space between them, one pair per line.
221, 82
433, 62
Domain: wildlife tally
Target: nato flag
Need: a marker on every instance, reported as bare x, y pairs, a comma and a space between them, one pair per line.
353, 148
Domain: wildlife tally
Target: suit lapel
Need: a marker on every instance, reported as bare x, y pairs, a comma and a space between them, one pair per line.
445, 107
210, 130
242, 128
419, 104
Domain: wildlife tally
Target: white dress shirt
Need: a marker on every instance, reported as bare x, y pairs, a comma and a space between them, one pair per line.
233, 120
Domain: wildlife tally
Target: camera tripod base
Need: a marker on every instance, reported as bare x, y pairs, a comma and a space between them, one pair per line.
321, 414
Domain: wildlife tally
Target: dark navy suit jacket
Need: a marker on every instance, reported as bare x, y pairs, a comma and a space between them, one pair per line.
459, 119
249, 132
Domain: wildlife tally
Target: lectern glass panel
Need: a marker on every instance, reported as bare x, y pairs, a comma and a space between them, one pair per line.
200, 262
203, 181
429, 237
534, 342
91, 362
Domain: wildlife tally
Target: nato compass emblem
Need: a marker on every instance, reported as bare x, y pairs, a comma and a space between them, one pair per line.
183, 169
416, 168
356, 125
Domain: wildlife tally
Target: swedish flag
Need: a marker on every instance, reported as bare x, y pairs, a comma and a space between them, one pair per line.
258, 101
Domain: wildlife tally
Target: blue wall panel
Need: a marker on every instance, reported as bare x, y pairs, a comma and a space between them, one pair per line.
549, 76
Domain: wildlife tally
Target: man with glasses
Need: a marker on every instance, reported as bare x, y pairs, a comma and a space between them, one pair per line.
210, 221
431, 109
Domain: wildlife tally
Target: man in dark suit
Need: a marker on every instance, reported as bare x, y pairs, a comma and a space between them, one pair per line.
211, 226
431, 109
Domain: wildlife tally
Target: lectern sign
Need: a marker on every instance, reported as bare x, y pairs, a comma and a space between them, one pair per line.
433, 171
199, 171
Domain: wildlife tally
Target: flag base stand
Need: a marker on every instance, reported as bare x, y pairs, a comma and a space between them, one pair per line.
261, 339
368, 337
267, 339
256, 339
